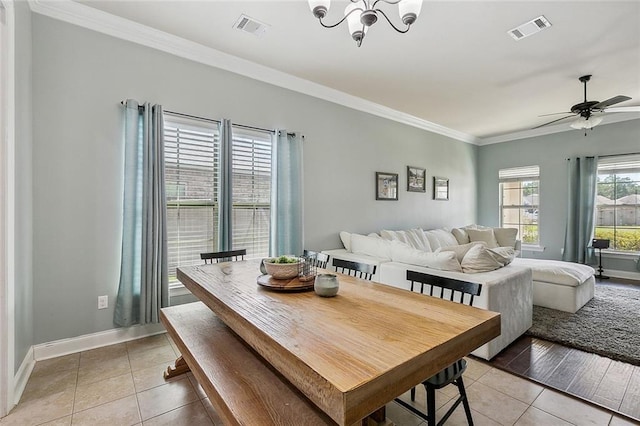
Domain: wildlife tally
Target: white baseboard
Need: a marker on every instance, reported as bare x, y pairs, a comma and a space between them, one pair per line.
627, 275
95, 340
22, 375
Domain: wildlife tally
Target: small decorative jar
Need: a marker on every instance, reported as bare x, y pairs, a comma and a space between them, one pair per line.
326, 285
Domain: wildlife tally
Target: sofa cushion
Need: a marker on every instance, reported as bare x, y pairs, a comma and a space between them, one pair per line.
479, 259
506, 237
440, 238
461, 250
461, 235
504, 255
377, 247
445, 261
485, 235
345, 237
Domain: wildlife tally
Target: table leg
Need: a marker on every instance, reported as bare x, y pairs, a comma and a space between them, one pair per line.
180, 367
377, 418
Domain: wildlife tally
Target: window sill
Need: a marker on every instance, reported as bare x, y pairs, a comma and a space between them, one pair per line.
538, 249
612, 254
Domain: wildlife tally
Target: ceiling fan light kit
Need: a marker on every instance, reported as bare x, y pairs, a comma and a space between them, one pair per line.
361, 14
585, 110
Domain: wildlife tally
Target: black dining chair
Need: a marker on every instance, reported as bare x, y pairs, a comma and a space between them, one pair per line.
356, 269
320, 259
224, 256
455, 291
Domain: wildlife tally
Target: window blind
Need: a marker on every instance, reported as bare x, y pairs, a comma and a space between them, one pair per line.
251, 190
620, 164
192, 158
519, 173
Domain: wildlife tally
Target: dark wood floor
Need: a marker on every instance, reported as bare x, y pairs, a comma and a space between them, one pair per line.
599, 380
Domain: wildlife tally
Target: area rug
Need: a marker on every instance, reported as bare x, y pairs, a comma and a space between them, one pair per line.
608, 325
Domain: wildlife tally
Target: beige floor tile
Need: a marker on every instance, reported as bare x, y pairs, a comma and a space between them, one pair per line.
146, 343
41, 410
121, 412
63, 421
58, 364
43, 385
570, 409
536, 417
97, 393
104, 369
196, 386
619, 421
421, 399
213, 415
475, 369
167, 397
401, 416
153, 356
495, 405
459, 417
101, 354
511, 385
193, 414
152, 376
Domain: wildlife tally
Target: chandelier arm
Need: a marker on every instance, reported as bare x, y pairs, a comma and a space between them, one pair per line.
386, 1
391, 23
340, 21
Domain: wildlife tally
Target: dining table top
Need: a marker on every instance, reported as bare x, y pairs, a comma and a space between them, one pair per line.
349, 354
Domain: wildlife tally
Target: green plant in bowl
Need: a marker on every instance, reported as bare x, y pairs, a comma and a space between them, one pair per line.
282, 267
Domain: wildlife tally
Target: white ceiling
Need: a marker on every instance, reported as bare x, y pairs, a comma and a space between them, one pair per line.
457, 67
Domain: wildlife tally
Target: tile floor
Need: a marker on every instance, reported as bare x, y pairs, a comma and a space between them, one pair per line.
123, 385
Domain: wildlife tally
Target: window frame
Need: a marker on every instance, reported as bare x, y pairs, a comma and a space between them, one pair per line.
520, 175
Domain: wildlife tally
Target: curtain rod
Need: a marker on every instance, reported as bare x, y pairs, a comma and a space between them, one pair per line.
619, 155
215, 121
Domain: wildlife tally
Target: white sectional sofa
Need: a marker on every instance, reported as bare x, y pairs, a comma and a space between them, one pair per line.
511, 290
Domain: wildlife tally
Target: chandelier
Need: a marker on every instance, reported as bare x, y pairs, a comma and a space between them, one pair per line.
361, 14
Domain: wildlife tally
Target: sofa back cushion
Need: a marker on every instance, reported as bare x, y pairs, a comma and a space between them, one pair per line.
485, 235
371, 246
445, 261
506, 237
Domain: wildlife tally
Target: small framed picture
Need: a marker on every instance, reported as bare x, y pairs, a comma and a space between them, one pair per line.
416, 179
386, 186
440, 188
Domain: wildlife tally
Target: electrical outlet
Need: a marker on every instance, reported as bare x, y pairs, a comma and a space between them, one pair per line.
103, 302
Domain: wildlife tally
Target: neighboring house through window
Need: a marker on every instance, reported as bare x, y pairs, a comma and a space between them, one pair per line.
193, 179
617, 216
520, 202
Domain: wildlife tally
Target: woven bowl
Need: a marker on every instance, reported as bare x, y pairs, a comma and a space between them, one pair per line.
282, 271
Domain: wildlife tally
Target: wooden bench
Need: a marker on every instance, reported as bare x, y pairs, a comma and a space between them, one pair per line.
243, 388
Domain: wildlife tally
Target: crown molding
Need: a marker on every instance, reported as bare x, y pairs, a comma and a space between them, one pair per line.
558, 128
97, 20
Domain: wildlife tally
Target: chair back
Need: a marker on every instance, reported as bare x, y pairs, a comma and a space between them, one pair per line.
320, 260
457, 289
356, 269
224, 256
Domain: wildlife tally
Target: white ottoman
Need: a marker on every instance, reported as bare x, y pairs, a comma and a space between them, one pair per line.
565, 286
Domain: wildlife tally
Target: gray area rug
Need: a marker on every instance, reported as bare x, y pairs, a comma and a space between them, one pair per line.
608, 325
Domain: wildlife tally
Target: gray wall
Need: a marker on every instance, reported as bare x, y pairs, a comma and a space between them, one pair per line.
550, 153
23, 186
79, 79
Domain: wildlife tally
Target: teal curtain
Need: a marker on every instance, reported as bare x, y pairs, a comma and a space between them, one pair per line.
582, 180
144, 283
286, 194
225, 190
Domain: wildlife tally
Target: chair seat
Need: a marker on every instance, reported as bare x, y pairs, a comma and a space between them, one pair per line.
447, 375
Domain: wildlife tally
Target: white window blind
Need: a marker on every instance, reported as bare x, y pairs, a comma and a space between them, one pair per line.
519, 173
192, 159
251, 190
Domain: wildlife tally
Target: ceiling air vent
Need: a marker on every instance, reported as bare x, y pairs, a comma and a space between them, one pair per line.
529, 28
250, 25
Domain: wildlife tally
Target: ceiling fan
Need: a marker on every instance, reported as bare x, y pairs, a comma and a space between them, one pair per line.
585, 110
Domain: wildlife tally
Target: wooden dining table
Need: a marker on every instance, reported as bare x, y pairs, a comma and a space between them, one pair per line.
349, 354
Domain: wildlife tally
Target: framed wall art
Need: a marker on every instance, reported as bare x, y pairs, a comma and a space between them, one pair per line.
440, 188
386, 186
416, 179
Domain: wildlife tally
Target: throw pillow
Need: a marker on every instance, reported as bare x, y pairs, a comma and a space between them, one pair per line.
461, 235
445, 237
345, 237
445, 261
461, 250
478, 259
418, 240
506, 237
485, 235
376, 247
504, 255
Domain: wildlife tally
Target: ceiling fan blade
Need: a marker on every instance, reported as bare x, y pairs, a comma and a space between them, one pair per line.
555, 113
623, 109
611, 101
551, 122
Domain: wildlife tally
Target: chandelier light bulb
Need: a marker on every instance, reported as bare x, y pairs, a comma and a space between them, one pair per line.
319, 8
586, 123
409, 10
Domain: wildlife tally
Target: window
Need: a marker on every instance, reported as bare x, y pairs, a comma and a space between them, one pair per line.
520, 202
618, 202
192, 185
